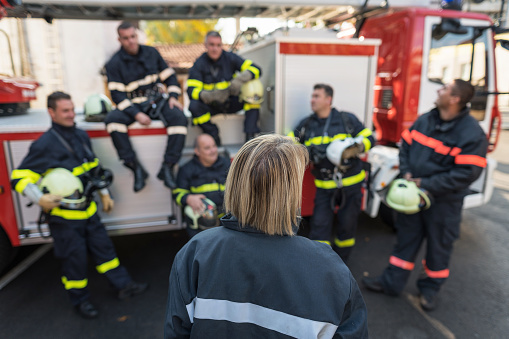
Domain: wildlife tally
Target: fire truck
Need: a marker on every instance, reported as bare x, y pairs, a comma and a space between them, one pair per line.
15, 91
387, 75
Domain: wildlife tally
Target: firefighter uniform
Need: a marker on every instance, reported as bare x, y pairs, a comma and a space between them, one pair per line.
311, 133
194, 178
448, 156
208, 75
237, 282
74, 231
131, 80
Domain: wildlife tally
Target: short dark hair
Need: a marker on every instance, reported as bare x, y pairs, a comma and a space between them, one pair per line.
464, 90
125, 25
212, 33
327, 88
55, 96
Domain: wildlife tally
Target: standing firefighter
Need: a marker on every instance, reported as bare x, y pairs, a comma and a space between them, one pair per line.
140, 82
442, 153
214, 85
70, 172
338, 171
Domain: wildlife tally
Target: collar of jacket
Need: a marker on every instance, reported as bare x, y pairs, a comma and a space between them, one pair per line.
198, 162
66, 132
126, 56
445, 126
231, 222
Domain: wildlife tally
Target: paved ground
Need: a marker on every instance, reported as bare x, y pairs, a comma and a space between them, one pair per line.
474, 303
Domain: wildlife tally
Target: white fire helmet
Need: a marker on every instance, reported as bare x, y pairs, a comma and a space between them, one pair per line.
205, 219
405, 197
62, 182
96, 107
252, 92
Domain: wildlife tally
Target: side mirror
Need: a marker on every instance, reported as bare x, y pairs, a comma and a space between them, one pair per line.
448, 25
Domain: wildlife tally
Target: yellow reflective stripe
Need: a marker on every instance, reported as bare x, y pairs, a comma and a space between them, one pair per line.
324, 242
77, 284
108, 266
201, 119
247, 106
367, 143
26, 176
75, 215
222, 85
181, 192
247, 66
85, 167
194, 83
291, 135
325, 184
196, 94
207, 188
322, 140
220, 215
349, 181
354, 179
344, 243
208, 87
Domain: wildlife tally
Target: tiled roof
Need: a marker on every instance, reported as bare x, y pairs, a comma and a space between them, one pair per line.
181, 56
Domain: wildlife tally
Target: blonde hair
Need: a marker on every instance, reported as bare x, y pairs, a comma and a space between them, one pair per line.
264, 184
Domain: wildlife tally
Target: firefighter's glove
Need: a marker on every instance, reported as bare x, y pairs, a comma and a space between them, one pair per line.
316, 154
49, 201
238, 81
216, 95
107, 202
352, 151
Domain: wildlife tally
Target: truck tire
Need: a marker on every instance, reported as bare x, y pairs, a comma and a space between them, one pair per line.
388, 216
6, 251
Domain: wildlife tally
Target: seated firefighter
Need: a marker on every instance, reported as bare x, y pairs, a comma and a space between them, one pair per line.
144, 88
214, 86
71, 173
200, 185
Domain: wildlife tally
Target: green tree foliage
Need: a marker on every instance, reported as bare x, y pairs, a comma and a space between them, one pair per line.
177, 31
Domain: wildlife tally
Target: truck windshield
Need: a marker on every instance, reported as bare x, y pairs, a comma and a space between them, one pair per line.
461, 55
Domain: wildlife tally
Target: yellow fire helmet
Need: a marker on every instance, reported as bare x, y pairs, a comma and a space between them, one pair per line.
62, 182
405, 197
252, 92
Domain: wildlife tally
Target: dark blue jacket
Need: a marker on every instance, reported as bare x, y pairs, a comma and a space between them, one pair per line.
131, 76
447, 155
234, 282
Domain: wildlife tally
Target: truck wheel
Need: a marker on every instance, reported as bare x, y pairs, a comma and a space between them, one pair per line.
388, 216
6, 251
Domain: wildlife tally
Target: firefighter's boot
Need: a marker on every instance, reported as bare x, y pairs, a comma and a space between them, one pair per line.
140, 174
132, 289
167, 175
86, 310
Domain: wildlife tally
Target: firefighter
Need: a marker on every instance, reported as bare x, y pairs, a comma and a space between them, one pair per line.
73, 220
336, 186
203, 177
214, 86
254, 277
140, 81
443, 153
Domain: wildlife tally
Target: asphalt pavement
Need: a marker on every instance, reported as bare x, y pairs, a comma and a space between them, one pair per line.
474, 302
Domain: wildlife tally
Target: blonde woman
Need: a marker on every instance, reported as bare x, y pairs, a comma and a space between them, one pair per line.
254, 277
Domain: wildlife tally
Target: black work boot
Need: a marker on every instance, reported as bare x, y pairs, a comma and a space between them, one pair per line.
373, 284
140, 175
167, 175
428, 301
132, 289
86, 310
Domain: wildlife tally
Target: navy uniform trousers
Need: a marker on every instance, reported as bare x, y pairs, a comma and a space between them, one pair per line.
171, 117
440, 225
73, 240
322, 222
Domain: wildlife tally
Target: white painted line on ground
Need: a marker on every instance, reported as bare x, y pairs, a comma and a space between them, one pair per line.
414, 301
